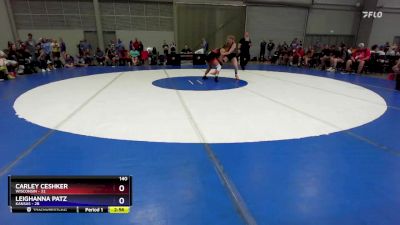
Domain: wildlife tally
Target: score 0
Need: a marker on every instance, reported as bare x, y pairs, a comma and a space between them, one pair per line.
121, 188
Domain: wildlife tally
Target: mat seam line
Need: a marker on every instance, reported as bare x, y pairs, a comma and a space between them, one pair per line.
328, 91
32, 147
350, 133
227, 183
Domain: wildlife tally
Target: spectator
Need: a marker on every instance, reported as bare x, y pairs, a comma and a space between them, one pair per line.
308, 56
42, 58
278, 54
325, 56
84, 46
291, 53
56, 53
294, 43
12, 60
173, 48
270, 48
31, 45
88, 58
80, 47
374, 49
285, 45
63, 47
56, 49
141, 47
69, 61
283, 56
87, 47
111, 55
124, 58
122, 53
339, 56
3, 67
80, 61
135, 44
25, 57
134, 54
154, 51
186, 50
165, 46
203, 47
154, 56
38, 49
317, 47
263, 44
46, 47
381, 51
18, 44
391, 51
360, 56
144, 56
25, 62
119, 45
100, 57
297, 56
387, 46
396, 70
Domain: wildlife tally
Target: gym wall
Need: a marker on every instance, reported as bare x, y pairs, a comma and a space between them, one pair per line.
155, 21
150, 21
333, 22
386, 28
278, 23
5, 26
213, 22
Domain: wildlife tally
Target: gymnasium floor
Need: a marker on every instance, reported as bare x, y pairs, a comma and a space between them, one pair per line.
282, 146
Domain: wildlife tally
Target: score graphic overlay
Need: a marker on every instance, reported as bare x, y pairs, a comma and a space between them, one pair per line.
70, 194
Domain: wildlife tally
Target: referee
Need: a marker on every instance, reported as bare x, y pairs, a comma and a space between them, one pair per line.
244, 50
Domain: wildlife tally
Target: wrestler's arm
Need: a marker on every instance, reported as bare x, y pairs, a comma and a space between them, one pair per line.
233, 47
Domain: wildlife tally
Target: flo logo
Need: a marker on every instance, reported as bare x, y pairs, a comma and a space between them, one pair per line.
372, 14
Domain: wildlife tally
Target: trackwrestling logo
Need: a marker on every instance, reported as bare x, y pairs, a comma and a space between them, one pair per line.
372, 14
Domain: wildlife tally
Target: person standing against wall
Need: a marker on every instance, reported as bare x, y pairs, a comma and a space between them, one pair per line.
270, 47
203, 47
204, 44
244, 50
31, 46
63, 48
263, 44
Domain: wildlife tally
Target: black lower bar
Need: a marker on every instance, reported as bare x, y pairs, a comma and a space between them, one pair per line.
80, 209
